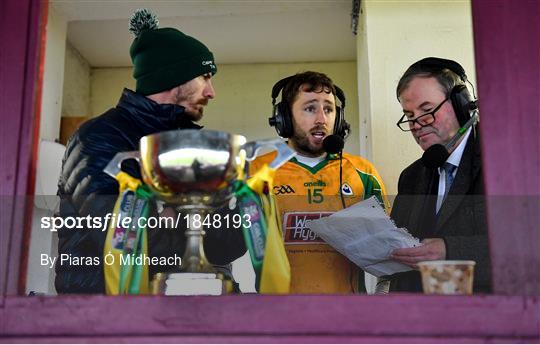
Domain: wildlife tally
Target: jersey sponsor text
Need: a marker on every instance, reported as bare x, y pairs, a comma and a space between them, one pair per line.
296, 227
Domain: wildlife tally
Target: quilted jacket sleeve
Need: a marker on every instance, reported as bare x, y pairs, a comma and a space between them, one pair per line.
85, 190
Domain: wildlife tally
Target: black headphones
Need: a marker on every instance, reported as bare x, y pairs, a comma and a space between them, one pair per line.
461, 99
282, 118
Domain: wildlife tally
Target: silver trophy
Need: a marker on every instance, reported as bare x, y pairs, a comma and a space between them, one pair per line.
195, 170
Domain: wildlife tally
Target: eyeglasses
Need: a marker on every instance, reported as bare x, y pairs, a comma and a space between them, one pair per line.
423, 120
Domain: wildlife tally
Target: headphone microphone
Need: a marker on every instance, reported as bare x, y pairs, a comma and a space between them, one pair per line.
435, 156
333, 144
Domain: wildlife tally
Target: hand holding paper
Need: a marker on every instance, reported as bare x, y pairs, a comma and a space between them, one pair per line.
431, 249
367, 236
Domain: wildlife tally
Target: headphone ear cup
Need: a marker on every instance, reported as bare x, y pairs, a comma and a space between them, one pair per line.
338, 124
284, 125
462, 103
341, 126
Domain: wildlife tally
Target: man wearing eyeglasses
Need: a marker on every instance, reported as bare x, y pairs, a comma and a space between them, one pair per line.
444, 205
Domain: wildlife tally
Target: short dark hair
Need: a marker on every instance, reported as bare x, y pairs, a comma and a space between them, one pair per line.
447, 79
315, 82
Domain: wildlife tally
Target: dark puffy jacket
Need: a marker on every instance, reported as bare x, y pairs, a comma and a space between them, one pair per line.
84, 189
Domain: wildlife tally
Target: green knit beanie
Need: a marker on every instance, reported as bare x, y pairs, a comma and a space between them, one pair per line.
165, 58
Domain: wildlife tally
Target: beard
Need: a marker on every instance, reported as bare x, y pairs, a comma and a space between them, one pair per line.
193, 109
302, 144
194, 115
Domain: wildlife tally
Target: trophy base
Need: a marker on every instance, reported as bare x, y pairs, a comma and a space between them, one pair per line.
191, 284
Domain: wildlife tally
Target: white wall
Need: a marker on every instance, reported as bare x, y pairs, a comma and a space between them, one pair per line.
398, 33
243, 103
53, 76
364, 94
76, 100
106, 85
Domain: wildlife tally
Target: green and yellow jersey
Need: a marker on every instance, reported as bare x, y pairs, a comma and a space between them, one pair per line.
306, 193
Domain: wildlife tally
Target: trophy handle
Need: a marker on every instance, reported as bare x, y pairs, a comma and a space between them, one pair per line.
284, 152
114, 167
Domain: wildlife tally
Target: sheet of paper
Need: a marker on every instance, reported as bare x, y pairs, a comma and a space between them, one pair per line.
366, 235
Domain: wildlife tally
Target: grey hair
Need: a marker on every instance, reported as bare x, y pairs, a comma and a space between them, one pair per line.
446, 78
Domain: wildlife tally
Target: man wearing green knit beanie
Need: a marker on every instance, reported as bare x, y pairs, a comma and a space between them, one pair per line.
173, 72
170, 66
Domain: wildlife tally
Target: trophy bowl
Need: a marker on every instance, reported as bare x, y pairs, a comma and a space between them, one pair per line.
192, 167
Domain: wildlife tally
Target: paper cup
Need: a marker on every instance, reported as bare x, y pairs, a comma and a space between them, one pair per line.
447, 277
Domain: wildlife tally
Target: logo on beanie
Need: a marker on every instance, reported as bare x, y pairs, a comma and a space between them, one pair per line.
209, 63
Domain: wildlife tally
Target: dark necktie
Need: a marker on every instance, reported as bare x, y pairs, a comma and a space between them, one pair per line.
449, 169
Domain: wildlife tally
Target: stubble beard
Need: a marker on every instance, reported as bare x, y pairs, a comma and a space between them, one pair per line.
301, 143
183, 97
194, 116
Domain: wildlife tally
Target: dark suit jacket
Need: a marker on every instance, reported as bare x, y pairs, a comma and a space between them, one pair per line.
461, 221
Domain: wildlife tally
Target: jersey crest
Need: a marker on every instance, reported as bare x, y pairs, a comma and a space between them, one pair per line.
346, 189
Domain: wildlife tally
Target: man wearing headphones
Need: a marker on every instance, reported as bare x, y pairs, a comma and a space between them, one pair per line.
315, 183
441, 196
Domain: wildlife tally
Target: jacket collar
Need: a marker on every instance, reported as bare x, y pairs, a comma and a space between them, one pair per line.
160, 116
